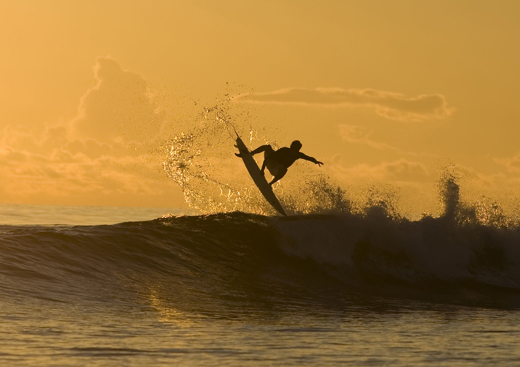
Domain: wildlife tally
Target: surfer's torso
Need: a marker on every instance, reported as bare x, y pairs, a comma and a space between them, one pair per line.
284, 156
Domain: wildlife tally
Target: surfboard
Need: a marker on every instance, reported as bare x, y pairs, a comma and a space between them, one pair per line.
258, 177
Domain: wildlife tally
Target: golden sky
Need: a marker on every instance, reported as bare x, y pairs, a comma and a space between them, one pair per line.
384, 92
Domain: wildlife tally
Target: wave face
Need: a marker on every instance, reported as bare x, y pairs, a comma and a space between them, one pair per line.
235, 262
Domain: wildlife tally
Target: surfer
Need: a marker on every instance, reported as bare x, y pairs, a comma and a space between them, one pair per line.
277, 162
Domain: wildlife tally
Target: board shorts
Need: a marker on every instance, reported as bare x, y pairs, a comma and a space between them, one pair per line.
275, 168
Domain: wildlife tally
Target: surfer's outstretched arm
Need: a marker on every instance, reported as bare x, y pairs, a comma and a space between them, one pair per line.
310, 159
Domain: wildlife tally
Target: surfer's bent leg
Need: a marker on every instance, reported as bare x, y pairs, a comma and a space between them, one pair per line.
263, 148
260, 149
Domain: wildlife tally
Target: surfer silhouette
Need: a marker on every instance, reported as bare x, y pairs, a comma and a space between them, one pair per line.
278, 161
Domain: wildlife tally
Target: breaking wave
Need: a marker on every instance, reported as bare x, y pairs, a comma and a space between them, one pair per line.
225, 261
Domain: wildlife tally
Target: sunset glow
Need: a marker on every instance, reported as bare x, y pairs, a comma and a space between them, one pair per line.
385, 93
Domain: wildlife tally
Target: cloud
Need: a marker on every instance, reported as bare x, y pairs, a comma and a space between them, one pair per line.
391, 105
92, 159
361, 135
512, 164
10, 136
401, 170
61, 173
120, 106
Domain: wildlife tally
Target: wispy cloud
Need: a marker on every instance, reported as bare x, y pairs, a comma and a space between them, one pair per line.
512, 164
59, 173
361, 135
391, 105
400, 170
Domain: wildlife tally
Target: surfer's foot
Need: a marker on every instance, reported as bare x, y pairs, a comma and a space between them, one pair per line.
238, 155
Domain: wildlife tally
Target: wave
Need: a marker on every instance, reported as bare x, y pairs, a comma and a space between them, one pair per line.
228, 260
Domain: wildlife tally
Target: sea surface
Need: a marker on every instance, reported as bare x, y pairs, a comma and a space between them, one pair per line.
87, 286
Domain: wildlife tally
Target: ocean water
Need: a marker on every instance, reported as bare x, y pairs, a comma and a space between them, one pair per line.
140, 287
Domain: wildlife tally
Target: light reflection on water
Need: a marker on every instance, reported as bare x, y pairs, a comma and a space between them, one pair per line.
154, 333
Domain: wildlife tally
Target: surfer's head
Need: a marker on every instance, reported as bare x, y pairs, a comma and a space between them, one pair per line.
296, 145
